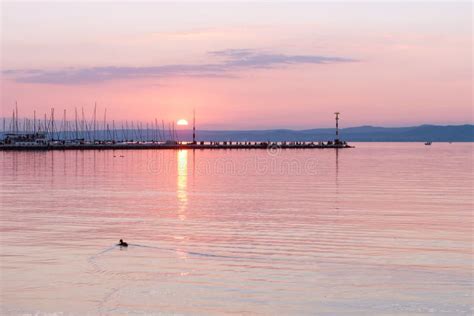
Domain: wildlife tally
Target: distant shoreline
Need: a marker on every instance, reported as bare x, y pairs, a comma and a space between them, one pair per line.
422, 133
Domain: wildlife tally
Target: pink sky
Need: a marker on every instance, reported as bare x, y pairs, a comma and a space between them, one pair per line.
251, 66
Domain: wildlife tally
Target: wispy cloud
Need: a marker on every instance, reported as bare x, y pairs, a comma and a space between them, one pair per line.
230, 60
246, 58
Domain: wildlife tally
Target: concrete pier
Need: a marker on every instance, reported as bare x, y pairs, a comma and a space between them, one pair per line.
174, 145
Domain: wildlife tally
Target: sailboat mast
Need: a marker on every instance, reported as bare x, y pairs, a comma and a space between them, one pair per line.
52, 124
147, 136
75, 120
46, 127
126, 130
113, 131
95, 112
105, 123
64, 129
123, 133
163, 129
16, 116
194, 126
175, 136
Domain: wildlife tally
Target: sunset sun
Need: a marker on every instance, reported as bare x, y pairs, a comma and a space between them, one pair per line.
182, 122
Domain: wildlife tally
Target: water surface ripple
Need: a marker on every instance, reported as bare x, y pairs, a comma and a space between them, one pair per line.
384, 228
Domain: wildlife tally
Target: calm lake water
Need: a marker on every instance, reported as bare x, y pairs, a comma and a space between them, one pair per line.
384, 228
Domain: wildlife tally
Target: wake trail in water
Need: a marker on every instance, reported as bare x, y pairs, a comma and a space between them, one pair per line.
92, 259
193, 253
260, 259
104, 251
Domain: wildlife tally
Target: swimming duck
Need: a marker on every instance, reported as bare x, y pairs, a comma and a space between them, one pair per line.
122, 243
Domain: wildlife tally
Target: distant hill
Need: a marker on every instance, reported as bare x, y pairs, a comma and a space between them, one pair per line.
435, 133
422, 133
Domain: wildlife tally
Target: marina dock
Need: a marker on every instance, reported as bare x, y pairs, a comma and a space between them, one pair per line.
27, 134
158, 146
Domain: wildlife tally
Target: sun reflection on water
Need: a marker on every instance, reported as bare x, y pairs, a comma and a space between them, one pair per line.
182, 183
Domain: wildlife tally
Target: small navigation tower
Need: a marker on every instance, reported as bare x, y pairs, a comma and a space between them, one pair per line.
337, 126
